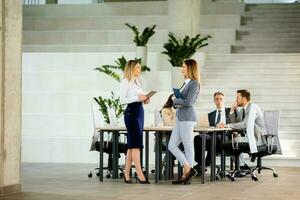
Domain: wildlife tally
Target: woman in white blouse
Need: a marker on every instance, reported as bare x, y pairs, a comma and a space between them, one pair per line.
133, 95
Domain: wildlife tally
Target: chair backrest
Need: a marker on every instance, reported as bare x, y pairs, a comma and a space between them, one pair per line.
157, 118
97, 118
98, 123
272, 119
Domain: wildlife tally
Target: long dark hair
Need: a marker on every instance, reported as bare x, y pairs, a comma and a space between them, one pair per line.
169, 103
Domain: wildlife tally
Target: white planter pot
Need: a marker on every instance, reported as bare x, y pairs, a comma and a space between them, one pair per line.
141, 52
177, 77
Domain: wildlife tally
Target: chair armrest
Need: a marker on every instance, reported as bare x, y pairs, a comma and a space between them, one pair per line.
270, 135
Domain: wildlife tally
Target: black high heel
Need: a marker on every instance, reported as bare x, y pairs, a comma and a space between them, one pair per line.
140, 181
127, 181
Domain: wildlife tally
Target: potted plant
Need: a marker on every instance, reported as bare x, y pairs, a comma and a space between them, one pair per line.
141, 41
109, 103
179, 49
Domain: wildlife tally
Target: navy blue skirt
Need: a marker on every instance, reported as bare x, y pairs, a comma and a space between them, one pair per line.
134, 121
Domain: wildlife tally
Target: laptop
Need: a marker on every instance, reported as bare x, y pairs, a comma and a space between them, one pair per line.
203, 121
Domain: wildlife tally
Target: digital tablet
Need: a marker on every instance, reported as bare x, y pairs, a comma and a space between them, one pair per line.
150, 94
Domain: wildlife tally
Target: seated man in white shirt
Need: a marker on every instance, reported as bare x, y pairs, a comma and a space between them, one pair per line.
240, 122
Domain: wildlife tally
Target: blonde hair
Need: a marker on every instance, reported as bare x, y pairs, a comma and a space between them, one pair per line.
192, 69
129, 69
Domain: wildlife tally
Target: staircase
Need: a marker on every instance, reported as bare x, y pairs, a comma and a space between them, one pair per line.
97, 28
269, 28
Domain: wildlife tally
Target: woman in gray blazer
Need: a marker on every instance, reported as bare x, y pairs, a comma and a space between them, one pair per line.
186, 120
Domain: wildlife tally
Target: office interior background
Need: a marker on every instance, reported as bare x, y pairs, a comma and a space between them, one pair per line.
51, 48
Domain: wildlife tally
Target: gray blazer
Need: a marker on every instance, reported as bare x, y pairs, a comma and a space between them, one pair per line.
259, 126
186, 110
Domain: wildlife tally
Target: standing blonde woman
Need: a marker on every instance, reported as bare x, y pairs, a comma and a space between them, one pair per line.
186, 120
133, 95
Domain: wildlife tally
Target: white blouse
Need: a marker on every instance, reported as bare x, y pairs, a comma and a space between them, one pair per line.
130, 91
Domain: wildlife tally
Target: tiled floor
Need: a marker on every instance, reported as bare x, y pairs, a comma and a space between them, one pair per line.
70, 182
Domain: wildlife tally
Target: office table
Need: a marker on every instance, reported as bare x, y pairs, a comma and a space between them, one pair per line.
158, 131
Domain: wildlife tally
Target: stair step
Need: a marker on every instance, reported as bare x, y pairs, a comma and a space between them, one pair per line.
259, 49
93, 23
255, 58
87, 37
283, 41
259, 20
232, 65
271, 10
259, 34
273, 25
102, 37
268, 29
215, 48
272, 6
272, 14
87, 48
101, 9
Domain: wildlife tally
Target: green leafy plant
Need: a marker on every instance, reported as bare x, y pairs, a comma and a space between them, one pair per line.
141, 39
112, 102
179, 49
114, 70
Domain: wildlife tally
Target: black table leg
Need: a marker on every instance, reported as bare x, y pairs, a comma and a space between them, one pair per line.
115, 155
168, 156
101, 157
179, 168
203, 158
223, 158
213, 157
147, 154
157, 157
160, 155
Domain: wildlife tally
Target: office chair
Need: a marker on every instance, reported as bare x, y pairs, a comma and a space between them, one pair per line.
235, 148
107, 147
271, 147
271, 119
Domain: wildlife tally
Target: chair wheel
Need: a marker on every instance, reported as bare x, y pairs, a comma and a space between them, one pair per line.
228, 176
152, 171
108, 176
232, 179
121, 175
255, 178
275, 175
90, 175
98, 174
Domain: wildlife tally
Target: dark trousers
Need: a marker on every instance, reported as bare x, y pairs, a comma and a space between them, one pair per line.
198, 148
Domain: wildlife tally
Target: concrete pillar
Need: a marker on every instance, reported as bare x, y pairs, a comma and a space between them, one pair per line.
184, 17
10, 95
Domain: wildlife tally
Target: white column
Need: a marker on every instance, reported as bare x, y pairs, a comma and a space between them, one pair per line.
184, 17
10, 95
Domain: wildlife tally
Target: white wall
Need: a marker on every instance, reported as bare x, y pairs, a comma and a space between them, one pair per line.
57, 95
